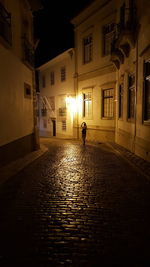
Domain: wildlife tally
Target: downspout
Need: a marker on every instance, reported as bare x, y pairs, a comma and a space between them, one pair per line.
135, 106
36, 131
76, 89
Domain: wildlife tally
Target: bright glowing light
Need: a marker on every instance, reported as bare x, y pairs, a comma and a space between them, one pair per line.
79, 103
71, 104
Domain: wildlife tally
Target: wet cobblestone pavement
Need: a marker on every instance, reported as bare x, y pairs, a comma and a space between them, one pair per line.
75, 206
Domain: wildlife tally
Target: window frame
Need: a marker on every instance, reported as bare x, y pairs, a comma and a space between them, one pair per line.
107, 97
130, 95
63, 74
52, 78
27, 90
86, 104
120, 101
108, 35
87, 44
146, 90
64, 125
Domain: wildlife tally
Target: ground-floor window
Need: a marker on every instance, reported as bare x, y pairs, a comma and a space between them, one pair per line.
146, 99
131, 96
87, 104
108, 103
120, 101
64, 127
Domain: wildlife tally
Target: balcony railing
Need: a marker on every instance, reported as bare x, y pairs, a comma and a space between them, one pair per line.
28, 53
5, 25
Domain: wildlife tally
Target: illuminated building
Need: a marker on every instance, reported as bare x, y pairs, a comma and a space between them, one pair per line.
112, 66
57, 102
17, 113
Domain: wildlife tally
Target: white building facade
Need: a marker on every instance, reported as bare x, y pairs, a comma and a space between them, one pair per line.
95, 73
131, 54
112, 45
17, 120
109, 76
57, 108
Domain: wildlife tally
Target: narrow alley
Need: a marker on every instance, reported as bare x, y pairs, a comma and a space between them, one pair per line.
75, 206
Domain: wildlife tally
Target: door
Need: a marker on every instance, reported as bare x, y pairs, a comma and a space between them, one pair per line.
54, 127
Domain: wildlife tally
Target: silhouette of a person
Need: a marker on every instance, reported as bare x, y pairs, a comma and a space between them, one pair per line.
84, 129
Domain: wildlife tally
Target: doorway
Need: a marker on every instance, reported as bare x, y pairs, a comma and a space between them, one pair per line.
54, 127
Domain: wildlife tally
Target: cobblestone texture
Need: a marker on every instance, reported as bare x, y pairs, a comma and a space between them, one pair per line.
76, 206
139, 163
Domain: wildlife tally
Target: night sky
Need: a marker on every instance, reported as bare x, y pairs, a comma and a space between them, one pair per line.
52, 26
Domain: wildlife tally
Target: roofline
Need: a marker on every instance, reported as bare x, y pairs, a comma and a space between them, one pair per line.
89, 11
55, 59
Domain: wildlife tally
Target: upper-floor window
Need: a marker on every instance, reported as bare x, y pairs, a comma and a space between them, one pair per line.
108, 103
87, 104
108, 33
120, 101
5, 25
87, 48
43, 81
63, 73
131, 96
120, 96
27, 90
146, 100
52, 78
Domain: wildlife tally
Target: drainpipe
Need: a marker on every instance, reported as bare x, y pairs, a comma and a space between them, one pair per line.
36, 131
135, 105
76, 89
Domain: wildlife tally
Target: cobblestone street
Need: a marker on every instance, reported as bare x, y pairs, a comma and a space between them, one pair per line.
75, 206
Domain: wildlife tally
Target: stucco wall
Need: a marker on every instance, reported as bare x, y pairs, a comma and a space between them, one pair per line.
60, 90
16, 111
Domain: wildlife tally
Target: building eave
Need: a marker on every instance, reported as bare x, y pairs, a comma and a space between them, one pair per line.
55, 60
89, 11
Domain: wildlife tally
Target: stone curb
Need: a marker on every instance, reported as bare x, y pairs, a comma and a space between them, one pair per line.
140, 165
14, 167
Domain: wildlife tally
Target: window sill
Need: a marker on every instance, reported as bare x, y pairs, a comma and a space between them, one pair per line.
147, 123
107, 118
131, 120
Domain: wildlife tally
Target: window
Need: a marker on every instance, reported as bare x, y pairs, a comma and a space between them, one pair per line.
120, 102
87, 104
108, 31
27, 90
64, 125
52, 78
43, 81
87, 49
62, 112
5, 25
131, 96
146, 106
63, 74
107, 103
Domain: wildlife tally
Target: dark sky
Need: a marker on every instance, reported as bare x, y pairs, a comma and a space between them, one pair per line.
53, 27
